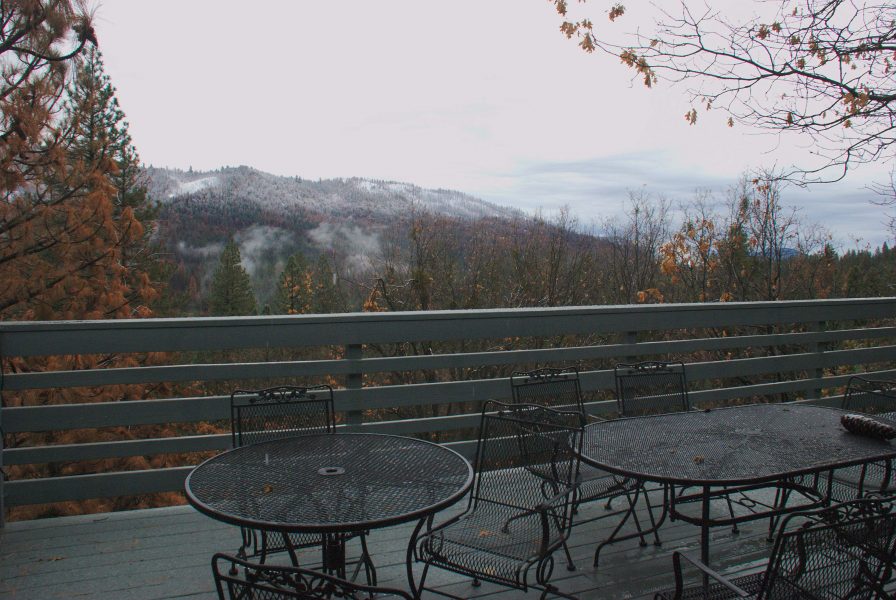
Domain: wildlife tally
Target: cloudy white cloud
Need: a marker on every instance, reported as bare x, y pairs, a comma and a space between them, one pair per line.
487, 98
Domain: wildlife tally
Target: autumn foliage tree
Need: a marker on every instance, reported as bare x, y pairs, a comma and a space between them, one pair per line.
62, 237
74, 218
691, 258
294, 288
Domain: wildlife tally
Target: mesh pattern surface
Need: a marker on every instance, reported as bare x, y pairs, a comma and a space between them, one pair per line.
838, 560
560, 389
873, 397
265, 582
844, 551
877, 398
649, 388
745, 444
275, 413
553, 388
329, 482
716, 591
519, 511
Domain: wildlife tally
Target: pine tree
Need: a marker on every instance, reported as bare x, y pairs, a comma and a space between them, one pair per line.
55, 215
231, 290
66, 237
327, 295
100, 136
294, 293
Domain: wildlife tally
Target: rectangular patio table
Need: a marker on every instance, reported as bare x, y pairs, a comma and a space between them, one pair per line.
731, 449
333, 484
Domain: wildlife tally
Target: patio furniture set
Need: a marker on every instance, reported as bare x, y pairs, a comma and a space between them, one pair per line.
292, 482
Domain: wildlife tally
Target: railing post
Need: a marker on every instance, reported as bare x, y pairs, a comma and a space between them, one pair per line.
818, 349
2, 472
631, 337
354, 381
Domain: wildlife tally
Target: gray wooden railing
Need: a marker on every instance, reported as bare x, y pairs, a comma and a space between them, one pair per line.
799, 350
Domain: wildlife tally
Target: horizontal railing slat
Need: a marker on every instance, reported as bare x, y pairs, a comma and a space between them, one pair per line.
188, 444
213, 408
801, 364
116, 449
211, 442
227, 333
98, 485
320, 368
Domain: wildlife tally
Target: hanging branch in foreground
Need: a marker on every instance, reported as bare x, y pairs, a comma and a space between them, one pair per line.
822, 68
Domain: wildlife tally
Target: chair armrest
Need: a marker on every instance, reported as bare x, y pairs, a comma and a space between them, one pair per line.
544, 507
679, 586
546, 510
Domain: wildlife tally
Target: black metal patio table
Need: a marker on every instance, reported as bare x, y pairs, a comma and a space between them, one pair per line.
727, 449
330, 484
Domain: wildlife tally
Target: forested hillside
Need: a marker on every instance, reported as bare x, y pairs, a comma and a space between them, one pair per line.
352, 244
271, 218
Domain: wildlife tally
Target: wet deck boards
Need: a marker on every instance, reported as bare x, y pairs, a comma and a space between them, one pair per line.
165, 553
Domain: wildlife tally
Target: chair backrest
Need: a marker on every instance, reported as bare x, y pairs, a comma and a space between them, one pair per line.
279, 412
274, 582
843, 551
551, 387
526, 454
872, 396
647, 388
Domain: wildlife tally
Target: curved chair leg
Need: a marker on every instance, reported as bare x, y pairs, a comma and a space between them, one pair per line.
632, 511
248, 539
734, 528
570, 566
653, 526
365, 561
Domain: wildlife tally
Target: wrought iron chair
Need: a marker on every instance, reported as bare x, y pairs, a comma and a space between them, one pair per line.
843, 551
275, 413
874, 397
560, 388
651, 387
648, 388
871, 396
279, 412
237, 579
521, 503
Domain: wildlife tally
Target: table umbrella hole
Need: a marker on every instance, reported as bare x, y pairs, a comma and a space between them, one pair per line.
331, 471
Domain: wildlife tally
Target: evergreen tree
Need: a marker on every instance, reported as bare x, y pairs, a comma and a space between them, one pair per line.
294, 291
327, 295
99, 135
231, 291
54, 214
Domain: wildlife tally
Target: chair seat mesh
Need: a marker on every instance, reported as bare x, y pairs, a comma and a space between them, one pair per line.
716, 591
597, 484
492, 543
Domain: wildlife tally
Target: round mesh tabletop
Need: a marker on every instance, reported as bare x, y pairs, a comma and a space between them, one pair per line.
729, 446
339, 482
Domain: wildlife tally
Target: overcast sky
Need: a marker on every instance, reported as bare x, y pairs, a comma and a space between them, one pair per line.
481, 96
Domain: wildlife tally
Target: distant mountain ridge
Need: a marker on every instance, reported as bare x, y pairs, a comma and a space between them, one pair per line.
341, 197
271, 217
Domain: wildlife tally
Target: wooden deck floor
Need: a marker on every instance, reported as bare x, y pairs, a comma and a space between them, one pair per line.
165, 553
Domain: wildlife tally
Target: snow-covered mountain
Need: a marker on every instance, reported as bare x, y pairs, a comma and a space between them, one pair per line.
272, 217
344, 197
